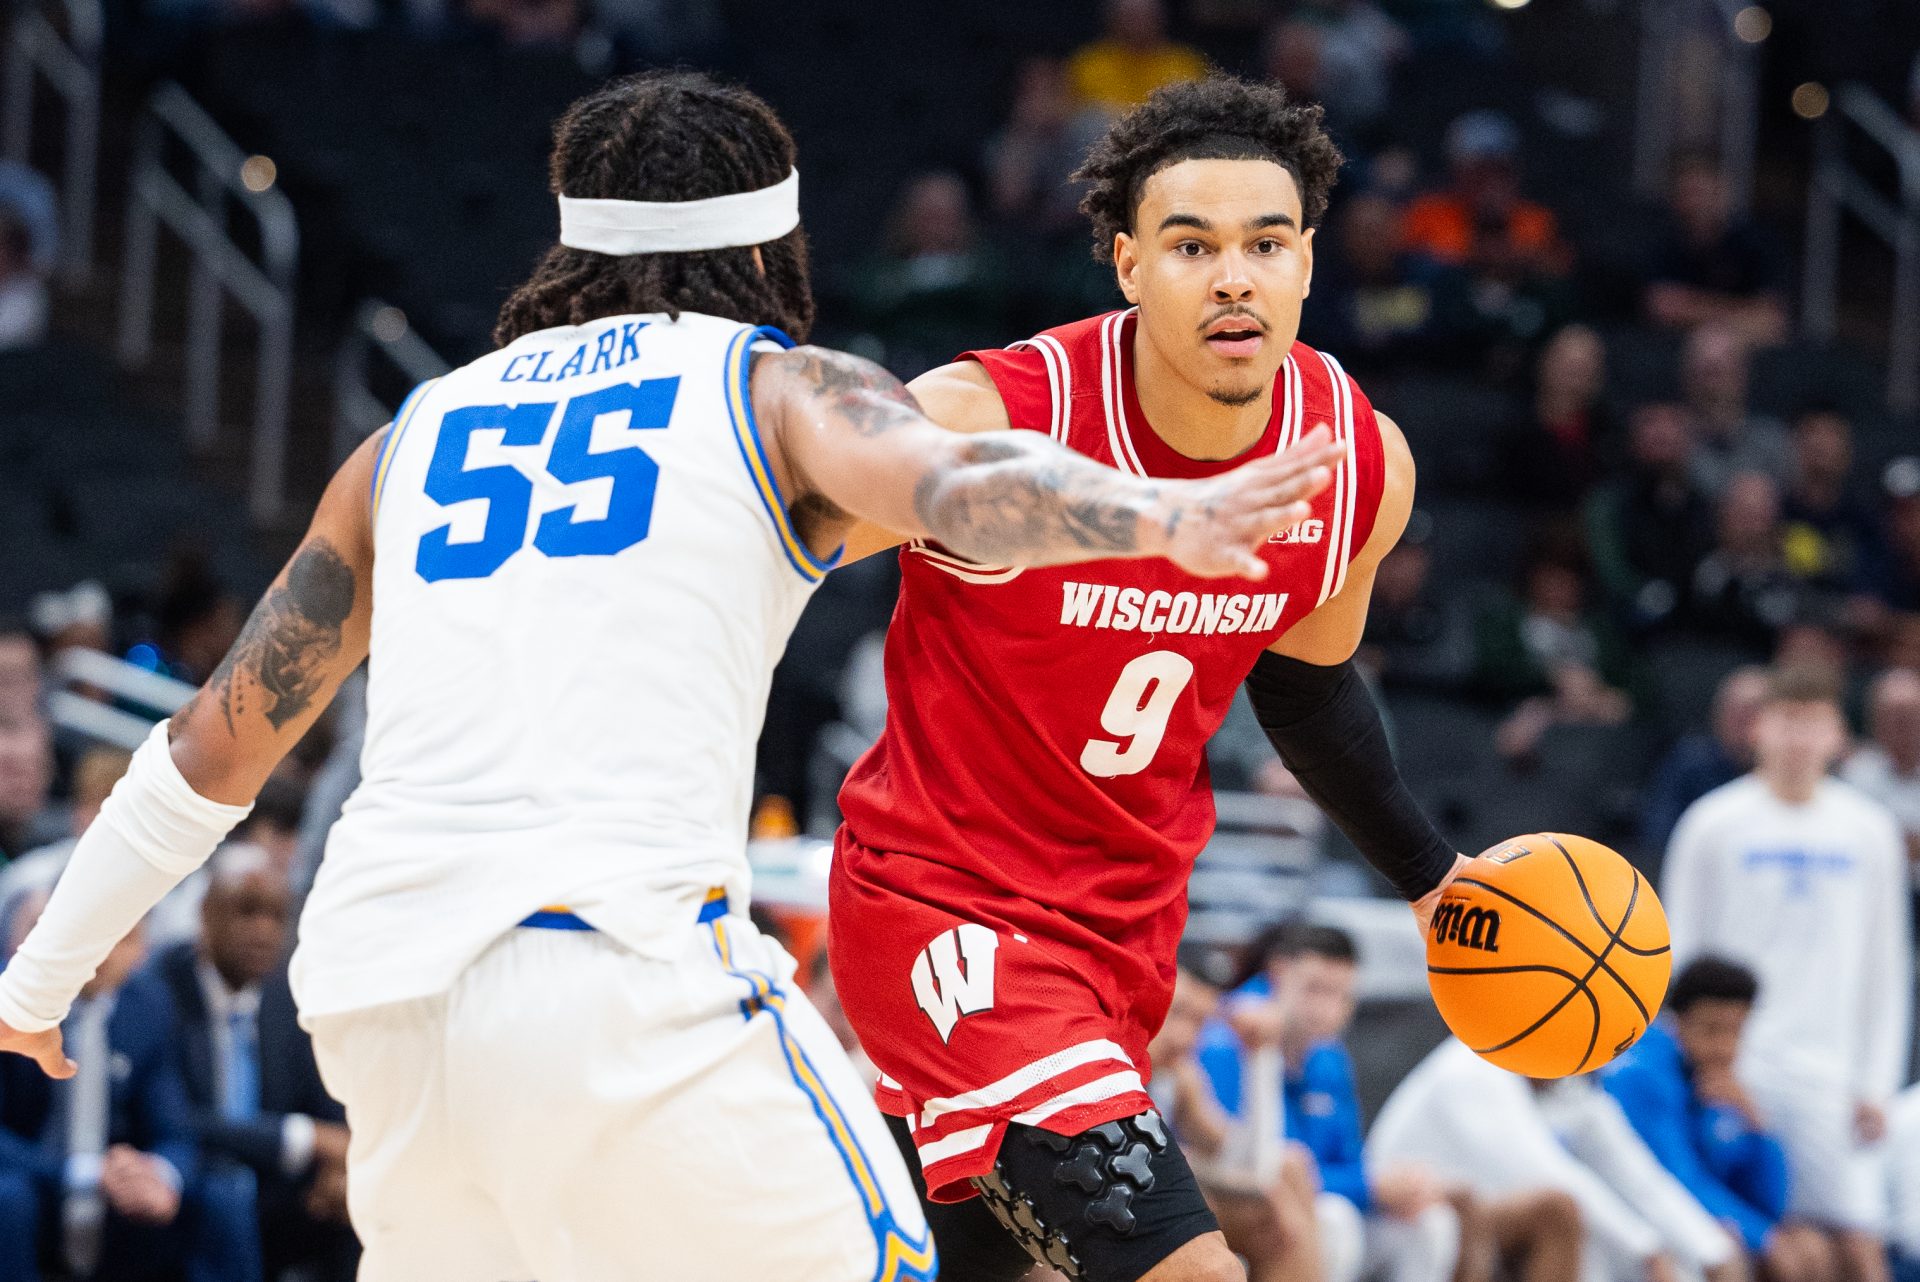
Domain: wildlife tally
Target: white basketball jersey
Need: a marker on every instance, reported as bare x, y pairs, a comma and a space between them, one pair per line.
584, 574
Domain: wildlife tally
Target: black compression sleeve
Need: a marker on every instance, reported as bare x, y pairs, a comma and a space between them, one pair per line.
1327, 730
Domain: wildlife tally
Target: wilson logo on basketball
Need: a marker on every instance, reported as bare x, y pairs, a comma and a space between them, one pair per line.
1468, 927
1305, 532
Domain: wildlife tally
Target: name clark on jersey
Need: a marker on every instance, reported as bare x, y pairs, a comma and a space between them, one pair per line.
1107, 605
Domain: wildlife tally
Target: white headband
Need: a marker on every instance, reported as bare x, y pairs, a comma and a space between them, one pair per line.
681, 226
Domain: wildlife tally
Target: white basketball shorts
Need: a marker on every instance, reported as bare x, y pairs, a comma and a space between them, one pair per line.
572, 1112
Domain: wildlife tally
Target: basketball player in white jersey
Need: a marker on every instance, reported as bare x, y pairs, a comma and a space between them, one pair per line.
565, 1052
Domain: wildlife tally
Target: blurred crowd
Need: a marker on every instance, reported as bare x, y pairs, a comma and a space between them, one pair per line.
1620, 421
196, 1142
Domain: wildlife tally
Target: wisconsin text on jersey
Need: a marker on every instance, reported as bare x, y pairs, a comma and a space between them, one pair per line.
1108, 605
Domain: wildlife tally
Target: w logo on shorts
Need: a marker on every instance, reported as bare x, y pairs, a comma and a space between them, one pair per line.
953, 975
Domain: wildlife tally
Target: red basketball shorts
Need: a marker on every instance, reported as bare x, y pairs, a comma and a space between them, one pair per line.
974, 1018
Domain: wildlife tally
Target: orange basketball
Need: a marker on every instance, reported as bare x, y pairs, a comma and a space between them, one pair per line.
1549, 955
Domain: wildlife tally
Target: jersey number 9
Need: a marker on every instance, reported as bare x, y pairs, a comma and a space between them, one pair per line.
1137, 713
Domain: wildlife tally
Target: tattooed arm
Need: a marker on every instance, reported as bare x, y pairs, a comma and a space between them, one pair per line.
308, 633
853, 444
185, 791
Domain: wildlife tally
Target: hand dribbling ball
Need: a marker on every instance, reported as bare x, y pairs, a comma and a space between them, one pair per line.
1549, 955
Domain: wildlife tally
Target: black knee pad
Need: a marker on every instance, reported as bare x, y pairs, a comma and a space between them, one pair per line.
1105, 1205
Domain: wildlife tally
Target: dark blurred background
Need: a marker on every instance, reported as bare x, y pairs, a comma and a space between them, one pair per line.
1640, 279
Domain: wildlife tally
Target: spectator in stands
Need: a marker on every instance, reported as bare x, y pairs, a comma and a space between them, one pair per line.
94, 775
936, 288
1132, 58
21, 675
1373, 301
1803, 879
1728, 437
92, 1168
1710, 267
1547, 655
1554, 453
1887, 766
27, 818
1832, 537
1030, 163
1396, 1220
197, 618
1899, 580
1262, 1188
1808, 642
1362, 47
1903, 1143
1649, 528
1703, 761
530, 23
1482, 215
1741, 590
23, 287
1677, 1087
1558, 1159
273, 1142
1417, 637
79, 618
1338, 60
274, 823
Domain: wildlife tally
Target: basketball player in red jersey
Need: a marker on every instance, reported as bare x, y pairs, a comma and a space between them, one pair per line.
1009, 887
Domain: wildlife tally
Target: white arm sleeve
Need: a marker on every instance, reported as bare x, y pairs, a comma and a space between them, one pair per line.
153, 830
1880, 1063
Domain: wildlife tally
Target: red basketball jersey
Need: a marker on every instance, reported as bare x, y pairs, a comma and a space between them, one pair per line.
1047, 728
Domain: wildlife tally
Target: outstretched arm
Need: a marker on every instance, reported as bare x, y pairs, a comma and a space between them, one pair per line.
196, 777
853, 439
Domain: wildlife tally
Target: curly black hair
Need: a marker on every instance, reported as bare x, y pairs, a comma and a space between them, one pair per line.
667, 136
1218, 118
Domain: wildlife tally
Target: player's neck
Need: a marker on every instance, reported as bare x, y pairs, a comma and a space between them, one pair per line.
1790, 787
1186, 418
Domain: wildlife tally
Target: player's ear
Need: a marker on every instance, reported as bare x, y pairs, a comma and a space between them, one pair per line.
1126, 263
759, 263
1306, 252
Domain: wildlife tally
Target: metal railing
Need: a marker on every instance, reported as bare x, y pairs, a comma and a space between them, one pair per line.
135, 697
379, 329
1838, 187
262, 283
1690, 48
70, 66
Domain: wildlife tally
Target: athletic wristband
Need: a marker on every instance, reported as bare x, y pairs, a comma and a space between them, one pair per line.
153, 830
1326, 728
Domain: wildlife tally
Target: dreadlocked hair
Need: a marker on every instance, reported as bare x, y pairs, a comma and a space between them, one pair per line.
1219, 118
667, 136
